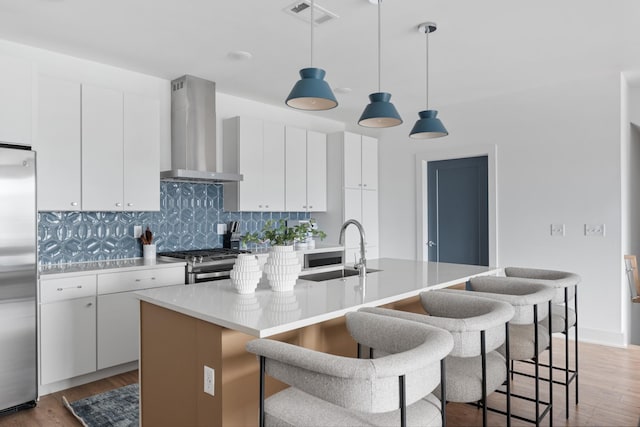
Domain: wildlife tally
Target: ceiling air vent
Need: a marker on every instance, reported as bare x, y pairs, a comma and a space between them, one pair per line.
302, 10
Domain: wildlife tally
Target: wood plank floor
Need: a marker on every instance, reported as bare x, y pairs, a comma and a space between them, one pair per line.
609, 395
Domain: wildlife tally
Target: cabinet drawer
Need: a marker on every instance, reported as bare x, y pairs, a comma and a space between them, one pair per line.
109, 283
67, 288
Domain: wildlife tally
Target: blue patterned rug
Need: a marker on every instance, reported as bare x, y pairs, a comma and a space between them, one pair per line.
117, 408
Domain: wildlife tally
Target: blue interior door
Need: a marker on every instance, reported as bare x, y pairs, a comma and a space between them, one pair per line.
458, 211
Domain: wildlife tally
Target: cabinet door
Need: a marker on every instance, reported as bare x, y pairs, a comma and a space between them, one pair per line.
15, 100
352, 210
316, 171
250, 163
102, 151
370, 216
369, 163
352, 160
295, 170
57, 143
141, 153
118, 329
67, 339
273, 167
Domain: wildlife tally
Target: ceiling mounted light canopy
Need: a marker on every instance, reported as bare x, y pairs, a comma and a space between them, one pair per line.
428, 125
380, 113
312, 92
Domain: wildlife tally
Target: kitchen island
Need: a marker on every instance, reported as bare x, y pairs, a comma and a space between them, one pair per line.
184, 328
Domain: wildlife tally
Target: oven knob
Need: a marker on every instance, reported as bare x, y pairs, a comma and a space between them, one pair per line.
200, 259
193, 260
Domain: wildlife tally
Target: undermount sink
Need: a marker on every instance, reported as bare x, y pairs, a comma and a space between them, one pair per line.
335, 274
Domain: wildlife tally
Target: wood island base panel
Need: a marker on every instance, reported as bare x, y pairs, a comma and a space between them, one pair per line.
174, 350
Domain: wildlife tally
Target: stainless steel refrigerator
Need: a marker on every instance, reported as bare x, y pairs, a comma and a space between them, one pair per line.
18, 278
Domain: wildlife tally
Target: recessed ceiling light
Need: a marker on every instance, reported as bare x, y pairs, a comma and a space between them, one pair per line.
373, 1
240, 55
342, 89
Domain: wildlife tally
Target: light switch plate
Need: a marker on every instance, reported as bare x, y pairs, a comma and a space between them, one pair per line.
557, 230
137, 231
221, 228
594, 230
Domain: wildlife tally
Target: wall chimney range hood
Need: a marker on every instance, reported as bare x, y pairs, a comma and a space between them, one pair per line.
193, 133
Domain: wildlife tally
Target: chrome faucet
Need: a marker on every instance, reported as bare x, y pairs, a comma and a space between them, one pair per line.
361, 265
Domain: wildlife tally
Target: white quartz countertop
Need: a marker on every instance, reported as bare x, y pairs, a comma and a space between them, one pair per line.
267, 313
89, 267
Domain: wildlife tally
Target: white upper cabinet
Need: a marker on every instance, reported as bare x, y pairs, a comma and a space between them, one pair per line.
352, 160
295, 169
141, 153
16, 76
273, 167
120, 151
316, 171
57, 143
369, 163
361, 161
306, 170
254, 149
102, 149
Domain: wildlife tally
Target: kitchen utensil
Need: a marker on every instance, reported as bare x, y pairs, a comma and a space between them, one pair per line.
148, 236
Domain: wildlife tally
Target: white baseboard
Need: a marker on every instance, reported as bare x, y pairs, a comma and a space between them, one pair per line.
84, 379
599, 336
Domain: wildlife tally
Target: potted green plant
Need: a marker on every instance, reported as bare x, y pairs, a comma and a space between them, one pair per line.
277, 233
282, 266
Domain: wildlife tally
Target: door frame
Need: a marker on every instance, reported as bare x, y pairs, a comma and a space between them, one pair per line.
450, 153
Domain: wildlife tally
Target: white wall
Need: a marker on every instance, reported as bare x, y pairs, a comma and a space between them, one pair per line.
558, 162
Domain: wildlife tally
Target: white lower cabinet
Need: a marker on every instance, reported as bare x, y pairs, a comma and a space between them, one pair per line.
119, 311
67, 327
118, 329
68, 339
91, 322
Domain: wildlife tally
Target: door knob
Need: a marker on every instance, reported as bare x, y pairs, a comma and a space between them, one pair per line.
431, 243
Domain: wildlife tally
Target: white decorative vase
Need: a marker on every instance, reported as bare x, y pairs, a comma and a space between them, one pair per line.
282, 268
245, 274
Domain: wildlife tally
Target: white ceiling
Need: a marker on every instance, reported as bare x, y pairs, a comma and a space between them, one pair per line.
481, 48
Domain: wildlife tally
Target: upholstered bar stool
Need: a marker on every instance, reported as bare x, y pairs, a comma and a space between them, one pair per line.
563, 317
479, 326
331, 390
528, 337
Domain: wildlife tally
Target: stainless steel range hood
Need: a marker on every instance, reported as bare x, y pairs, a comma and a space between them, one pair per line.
193, 133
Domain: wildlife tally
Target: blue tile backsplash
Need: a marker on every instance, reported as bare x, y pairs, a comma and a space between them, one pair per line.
188, 219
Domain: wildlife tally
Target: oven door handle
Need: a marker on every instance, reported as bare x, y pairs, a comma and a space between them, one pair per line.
211, 275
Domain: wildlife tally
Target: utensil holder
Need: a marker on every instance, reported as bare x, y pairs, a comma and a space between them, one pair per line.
149, 251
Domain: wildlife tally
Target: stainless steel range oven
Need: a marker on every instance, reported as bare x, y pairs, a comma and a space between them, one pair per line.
204, 265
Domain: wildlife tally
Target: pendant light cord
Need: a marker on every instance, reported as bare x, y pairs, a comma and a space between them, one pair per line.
312, 21
379, 44
426, 94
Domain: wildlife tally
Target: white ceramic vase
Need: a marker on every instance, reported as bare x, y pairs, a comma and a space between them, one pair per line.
282, 268
245, 274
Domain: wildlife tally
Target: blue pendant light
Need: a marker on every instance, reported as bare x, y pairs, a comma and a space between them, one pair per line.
428, 125
380, 113
312, 92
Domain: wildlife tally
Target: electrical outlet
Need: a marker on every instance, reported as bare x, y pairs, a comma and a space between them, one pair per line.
137, 231
221, 228
557, 230
594, 230
209, 379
